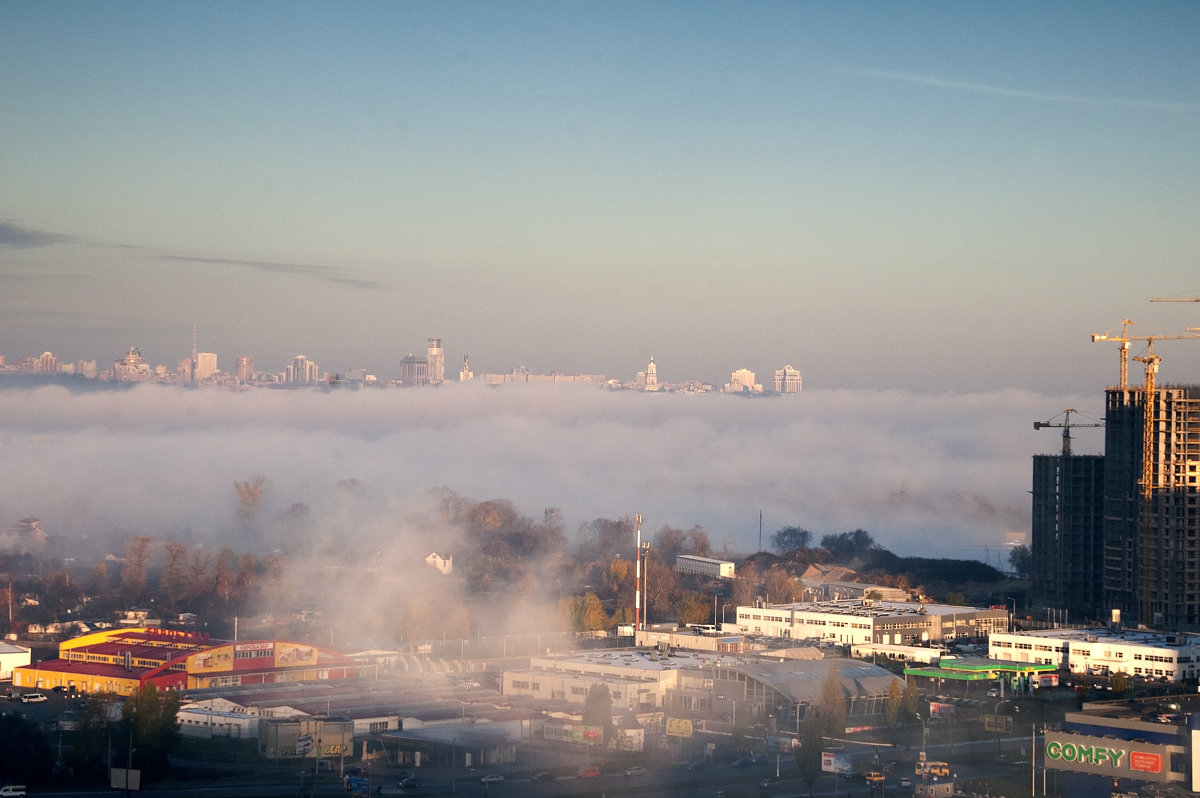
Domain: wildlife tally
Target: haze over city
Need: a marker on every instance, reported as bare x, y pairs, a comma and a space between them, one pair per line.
925, 208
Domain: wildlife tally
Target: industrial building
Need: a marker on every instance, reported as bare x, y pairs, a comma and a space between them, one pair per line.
871, 621
123, 660
704, 566
704, 685
1150, 655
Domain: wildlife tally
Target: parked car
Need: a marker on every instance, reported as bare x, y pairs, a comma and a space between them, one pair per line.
31, 698
740, 763
768, 781
492, 778
410, 783
13, 791
758, 759
543, 777
635, 771
905, 782
693, 767
589, 772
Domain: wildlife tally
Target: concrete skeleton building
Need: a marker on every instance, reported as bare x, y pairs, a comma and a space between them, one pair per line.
1116, 537
871, 621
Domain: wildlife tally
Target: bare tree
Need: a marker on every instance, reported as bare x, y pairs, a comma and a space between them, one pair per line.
249, 497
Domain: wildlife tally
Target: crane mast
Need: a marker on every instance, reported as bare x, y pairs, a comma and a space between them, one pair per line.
1066, 428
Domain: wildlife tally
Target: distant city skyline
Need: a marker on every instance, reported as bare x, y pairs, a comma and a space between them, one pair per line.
927, 197
202, 366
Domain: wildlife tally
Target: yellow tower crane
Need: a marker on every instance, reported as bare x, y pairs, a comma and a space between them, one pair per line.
1124, 341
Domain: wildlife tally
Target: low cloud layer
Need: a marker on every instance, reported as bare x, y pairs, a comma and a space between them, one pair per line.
944, 475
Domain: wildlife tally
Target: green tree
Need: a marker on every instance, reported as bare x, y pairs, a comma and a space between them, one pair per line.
154, 716
87, 754
790, 538
833, 702
808, 753
597, 711
1020, 558
27, 753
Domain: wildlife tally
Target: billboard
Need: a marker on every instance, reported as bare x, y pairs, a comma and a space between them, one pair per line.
679, 727
291, 654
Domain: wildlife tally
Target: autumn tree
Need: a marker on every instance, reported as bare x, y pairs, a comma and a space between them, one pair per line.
592, 617
780, 586
895, 703
249, 498
698, 543
833, 702
745, 585
133, 573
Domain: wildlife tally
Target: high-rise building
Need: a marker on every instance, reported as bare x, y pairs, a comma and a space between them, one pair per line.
435, 360
1068, 534
413, 371
465, 374
1117, 537
1152, 505
787, 380
742, 381
245, 368
301, 371
206, 366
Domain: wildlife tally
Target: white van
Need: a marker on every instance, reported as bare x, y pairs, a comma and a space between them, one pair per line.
17, 791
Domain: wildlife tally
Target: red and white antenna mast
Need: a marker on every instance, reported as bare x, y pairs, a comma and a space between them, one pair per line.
637, 594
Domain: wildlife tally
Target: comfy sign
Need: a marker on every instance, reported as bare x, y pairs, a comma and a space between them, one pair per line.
1092, 755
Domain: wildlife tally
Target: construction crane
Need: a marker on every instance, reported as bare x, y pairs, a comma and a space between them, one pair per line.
1123, 339
1066, 428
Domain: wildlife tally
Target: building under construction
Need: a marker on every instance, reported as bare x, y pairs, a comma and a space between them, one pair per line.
1120, 532
1152, 505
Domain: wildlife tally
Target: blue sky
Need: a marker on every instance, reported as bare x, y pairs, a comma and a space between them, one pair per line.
939, 197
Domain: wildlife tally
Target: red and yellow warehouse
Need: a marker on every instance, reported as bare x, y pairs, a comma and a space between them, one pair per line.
122, 660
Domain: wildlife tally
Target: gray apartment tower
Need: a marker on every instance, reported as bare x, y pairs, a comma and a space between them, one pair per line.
1068, 534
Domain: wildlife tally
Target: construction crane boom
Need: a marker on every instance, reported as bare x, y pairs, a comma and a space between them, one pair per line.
1066, 428
1192, 332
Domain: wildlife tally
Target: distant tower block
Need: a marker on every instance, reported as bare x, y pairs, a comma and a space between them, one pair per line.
465, 374
651, 375
436, 361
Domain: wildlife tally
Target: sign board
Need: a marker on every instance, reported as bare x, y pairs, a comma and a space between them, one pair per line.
832, 762
360, 786
124, 779
304, 744
1107, 756
679, 727
1001, 724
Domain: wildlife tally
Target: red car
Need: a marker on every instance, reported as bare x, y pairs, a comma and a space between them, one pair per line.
589, 772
